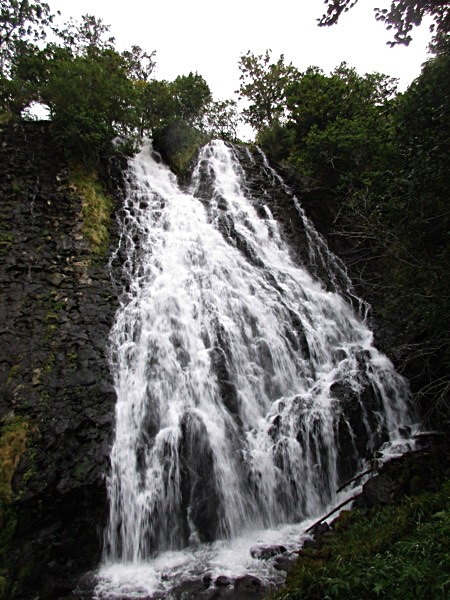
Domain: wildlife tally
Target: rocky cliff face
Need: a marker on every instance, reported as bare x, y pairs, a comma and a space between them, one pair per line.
56, 307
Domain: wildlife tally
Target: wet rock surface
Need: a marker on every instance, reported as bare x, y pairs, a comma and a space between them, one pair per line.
264, 552
246, 587
56, 309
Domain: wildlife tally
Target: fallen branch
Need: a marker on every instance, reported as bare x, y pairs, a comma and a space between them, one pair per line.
344, 485
332, 512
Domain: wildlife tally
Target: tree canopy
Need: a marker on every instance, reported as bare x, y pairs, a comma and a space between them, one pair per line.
263, 85
21, 20
93, 92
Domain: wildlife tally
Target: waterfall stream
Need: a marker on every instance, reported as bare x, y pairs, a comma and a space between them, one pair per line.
246, 390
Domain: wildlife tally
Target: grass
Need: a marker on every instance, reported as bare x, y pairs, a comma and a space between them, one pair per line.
399, 552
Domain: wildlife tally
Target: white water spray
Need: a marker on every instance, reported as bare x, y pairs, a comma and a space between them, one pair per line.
245, 390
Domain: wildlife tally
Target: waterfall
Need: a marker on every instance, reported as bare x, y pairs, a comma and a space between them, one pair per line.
246, 390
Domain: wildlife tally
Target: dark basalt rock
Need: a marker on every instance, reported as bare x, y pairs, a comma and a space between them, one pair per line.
381, 489
355, 426
249, 586
266, 552
223, 581
199, 493
191, 588
56, 309
422, 470
309, 542
284, 562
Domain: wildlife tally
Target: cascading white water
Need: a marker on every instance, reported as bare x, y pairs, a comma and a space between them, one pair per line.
245, 390
319, 253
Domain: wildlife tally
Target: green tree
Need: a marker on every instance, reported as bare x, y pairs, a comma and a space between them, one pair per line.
221, 119
21, 87
164, 103
87, 87
158, 105
174, 114
90, 35
420, 224
22, 25
338, 128
91, 101
263, 85
140, 63
192, 95
93, 92
21, 20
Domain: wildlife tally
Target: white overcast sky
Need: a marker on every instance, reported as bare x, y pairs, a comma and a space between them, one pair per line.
208, 37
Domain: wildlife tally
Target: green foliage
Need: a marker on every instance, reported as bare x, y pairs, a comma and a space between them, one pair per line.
20, 88
90, 99
337, 133
396, 552
21, 21
277, 142
175, 113
186, 100
95, 94
191, 94
221, 120
263, 85
418, 205
140, 64
87, 36
159, 106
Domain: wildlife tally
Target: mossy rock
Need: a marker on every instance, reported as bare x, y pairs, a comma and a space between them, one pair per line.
96, 208
15, 436
6, 242
179, 144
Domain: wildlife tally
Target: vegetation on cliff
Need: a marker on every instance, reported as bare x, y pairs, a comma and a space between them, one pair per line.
95, 209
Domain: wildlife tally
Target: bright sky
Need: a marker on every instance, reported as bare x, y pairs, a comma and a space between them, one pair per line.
208, 37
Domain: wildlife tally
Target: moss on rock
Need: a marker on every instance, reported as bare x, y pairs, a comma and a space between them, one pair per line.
15, 436
96, 209
178, 144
